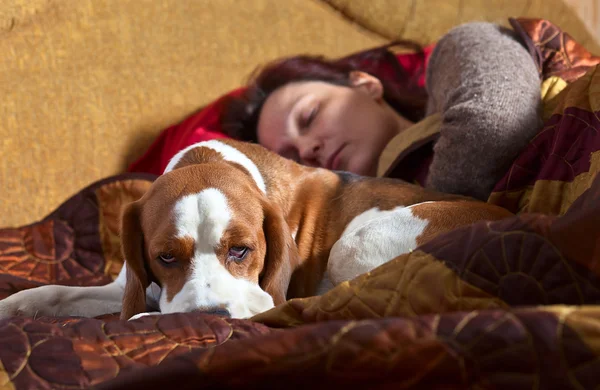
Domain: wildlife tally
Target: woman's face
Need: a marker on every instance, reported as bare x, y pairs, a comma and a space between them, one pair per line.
325, 125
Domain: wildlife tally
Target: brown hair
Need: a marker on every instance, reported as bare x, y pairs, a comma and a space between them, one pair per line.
401, 90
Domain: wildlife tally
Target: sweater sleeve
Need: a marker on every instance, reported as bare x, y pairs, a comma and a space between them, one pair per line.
485, 86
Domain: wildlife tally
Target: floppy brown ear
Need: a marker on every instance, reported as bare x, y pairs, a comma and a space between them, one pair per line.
132, 246
282, 255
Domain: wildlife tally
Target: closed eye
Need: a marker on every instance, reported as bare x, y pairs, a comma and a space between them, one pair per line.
309, 117
238, 253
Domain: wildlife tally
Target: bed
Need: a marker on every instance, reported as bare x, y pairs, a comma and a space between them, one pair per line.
505, 304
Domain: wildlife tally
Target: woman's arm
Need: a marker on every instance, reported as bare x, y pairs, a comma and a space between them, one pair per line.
485, 85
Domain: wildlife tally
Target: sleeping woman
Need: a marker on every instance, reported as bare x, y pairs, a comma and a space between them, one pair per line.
341, 114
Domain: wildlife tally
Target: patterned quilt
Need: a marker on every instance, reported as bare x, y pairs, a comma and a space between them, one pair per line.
507, 304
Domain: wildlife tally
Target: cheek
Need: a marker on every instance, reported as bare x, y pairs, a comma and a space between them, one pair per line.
249, 269
371, 123
272, 135
171, 280
363, 154
372, 127
353, 119
256, 266
268, 140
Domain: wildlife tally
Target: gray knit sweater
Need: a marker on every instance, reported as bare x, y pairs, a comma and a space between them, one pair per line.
486, 87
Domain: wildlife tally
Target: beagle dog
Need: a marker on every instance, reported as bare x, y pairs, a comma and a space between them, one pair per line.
234, 229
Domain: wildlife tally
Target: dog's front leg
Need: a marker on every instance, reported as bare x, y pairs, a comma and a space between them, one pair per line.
63, 301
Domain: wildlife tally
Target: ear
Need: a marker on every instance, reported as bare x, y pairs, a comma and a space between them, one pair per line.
132, 246
282, 256
368, 83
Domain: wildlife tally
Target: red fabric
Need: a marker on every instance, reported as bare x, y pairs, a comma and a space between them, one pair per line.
204, 124
200, 126
412, 63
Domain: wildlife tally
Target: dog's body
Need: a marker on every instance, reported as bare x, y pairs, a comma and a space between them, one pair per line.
233, 227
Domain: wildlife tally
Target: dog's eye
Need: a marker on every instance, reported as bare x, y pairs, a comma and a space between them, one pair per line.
167, 258
238, 253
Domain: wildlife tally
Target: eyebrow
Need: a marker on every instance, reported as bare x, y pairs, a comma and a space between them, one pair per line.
240, 234
180, 246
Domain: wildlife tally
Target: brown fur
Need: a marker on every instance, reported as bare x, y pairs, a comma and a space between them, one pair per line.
445, 216
282, 256
134, 297
314, 203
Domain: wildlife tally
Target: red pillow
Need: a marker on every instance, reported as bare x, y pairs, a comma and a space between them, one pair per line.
204, 124
200, 126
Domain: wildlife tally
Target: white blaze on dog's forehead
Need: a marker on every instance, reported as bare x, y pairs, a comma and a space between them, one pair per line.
229, 153
203, 217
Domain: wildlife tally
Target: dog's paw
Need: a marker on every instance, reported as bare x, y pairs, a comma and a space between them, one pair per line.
32, 302
9, 307
137, 316
5, 310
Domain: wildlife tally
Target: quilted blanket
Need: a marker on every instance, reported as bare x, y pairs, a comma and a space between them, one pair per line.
507, 304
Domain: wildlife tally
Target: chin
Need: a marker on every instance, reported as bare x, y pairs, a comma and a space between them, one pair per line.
363, 170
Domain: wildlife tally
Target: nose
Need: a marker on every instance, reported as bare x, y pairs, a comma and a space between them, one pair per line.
309, 152
217, 311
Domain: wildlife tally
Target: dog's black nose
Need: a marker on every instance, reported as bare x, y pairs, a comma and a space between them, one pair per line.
217, 311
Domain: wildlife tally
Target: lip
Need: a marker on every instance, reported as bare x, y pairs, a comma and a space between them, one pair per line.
333, 161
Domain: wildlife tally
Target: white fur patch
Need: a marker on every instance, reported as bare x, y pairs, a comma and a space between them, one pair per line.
229, 153
371, 239
211, 286
205, 217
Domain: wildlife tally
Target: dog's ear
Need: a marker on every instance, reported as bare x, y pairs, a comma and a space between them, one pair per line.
282, 256
132, 246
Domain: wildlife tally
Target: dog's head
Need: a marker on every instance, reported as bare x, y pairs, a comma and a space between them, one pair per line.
210, 237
